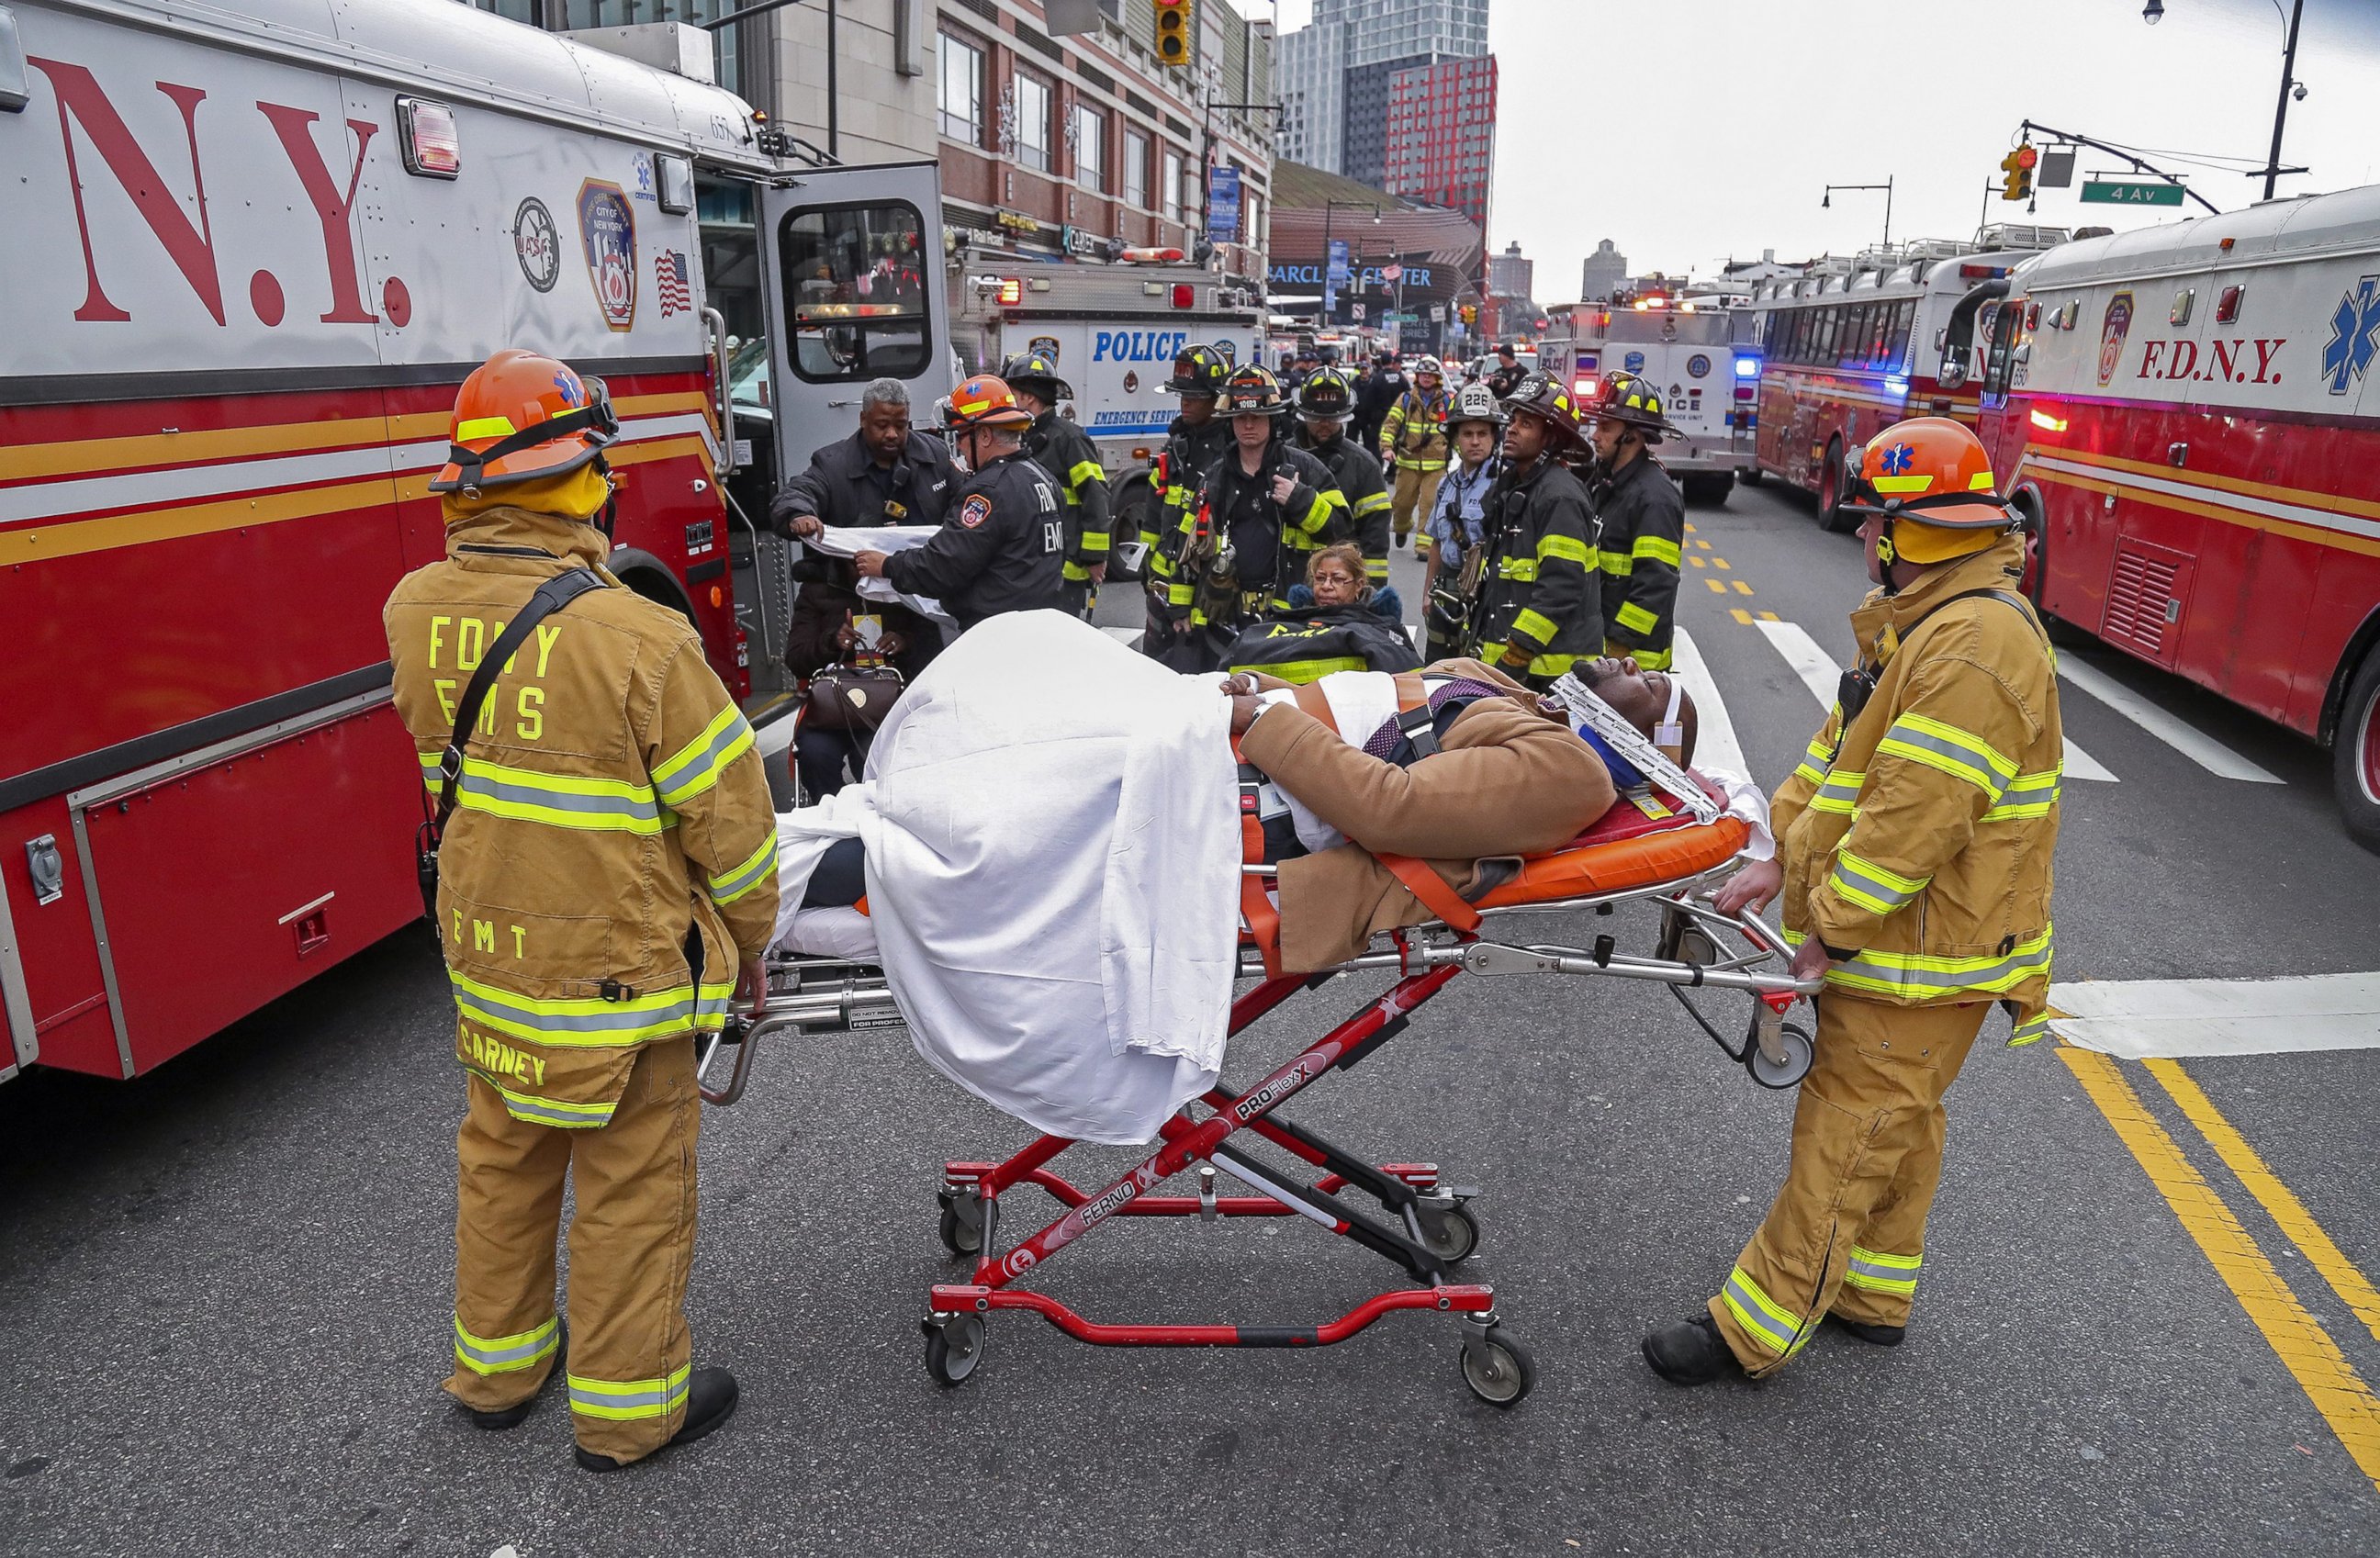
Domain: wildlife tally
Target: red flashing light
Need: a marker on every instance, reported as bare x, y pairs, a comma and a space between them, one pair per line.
1184, 296
1012, 292
2227, 307
2028, 157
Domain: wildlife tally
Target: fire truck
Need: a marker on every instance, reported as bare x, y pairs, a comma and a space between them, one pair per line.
1687, 349
1114, 330
2206, 492
252, 253
1849, 349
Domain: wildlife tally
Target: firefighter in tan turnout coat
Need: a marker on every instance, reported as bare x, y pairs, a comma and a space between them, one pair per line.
608, 870
1914, 847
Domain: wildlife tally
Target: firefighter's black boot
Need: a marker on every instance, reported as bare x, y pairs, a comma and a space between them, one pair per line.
1692, 1352
496, 1422
1876, 1335
710, 1397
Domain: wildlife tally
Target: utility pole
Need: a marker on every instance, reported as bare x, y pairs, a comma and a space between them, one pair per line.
2281, 104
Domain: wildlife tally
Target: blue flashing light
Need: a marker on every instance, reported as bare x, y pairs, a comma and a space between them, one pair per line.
1747, 367
1896, 385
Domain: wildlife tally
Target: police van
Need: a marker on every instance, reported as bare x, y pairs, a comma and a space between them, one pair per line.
1115, 330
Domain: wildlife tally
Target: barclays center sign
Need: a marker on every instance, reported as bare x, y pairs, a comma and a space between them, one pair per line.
1307, 276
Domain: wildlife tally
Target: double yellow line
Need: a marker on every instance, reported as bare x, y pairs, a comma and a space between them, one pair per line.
2330, 1382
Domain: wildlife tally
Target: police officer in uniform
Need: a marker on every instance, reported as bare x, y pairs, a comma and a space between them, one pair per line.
1001, 547
1539, 609
1324, 403
1644, 521
608, 870
1262, 508
1066, 451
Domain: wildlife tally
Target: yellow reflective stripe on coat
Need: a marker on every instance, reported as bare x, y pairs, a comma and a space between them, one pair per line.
1319, 515
2033, 1030
1378, 503
1306, 670
1775, 1325
505, 1355
1634, 618
1095, 540
1568, 547
1551, 665
1871, 886
2028, 795
1949, 749
1376, 569
1523, 568
1661, 549
623, 1399
600, 805
696, 766
1180, 595
729, 885
1619, 564
1838, 791
1918, 976
1646, 659
1086, 471
1529, 623
530, 1107
1882, 1273
590, 1020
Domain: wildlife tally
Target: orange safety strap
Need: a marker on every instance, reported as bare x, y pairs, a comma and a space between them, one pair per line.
1419, 880
1311, 700
1256, 907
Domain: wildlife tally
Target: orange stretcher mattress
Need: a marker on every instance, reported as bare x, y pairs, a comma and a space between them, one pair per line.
1625, 851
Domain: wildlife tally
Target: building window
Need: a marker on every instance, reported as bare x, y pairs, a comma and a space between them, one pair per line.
1090, 148
1135, 170
1032, 122
1170, 186
962, 91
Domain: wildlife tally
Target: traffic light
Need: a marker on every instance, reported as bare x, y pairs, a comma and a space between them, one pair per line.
1173, 34
2016, 173
1471, 313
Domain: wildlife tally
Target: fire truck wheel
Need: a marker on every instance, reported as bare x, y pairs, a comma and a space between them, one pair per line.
2355, 755
1708, 491
1831, 517
1752, 475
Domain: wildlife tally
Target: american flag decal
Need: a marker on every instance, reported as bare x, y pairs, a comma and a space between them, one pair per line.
669, 281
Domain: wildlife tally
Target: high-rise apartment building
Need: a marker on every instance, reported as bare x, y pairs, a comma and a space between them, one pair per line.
1338, 75
1440, 144
1512, 273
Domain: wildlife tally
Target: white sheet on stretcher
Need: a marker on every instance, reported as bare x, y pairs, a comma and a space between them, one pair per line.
1052, 874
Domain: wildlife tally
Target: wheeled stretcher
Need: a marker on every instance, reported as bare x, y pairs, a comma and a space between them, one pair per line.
1416, 1219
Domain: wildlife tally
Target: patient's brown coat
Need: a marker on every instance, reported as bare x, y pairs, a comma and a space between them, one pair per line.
1507, 781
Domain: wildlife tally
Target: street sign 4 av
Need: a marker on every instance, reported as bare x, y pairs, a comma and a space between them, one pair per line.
2129, 192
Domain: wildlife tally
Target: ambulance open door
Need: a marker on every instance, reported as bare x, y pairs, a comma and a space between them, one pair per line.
855, 290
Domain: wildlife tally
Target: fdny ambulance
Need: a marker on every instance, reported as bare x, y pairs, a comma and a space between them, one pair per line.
251, 252
1690, 351
2190, 416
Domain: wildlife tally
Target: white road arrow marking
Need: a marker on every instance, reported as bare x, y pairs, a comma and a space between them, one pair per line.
2146, 1019
1715, 742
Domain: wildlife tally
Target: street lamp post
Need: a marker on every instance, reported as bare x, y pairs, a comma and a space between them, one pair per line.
2153, 12
1827, 200
1329, 208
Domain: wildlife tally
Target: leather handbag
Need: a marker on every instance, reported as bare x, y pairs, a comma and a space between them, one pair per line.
842, 698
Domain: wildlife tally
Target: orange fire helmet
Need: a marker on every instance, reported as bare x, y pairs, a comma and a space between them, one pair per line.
1932, 481
521, 416
986, 401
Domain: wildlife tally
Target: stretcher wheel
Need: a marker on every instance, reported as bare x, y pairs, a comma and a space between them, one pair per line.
1450, 1234
953, 1347
961, 1224
1799, 1053
1498, 1368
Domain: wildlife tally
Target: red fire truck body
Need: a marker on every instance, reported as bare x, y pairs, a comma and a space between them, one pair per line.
250, 257
2191, 415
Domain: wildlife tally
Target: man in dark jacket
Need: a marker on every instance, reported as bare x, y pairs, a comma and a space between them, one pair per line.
999, 548
1539, 608
1323, 404
1644, 523
1505, 377
1381, 391
1064, 450
884, 473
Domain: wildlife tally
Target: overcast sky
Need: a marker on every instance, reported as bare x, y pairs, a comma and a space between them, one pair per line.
1689, 131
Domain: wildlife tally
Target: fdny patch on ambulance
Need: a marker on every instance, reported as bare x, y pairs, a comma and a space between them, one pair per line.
974, 511
607, 234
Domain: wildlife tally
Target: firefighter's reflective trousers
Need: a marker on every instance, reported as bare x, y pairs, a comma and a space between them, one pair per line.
1846, 1232
631, 1241
1416, 494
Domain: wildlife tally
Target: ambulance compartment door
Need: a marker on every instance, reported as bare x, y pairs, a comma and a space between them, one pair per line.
854, 290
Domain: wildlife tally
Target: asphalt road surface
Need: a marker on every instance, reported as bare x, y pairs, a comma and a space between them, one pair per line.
2145, 1323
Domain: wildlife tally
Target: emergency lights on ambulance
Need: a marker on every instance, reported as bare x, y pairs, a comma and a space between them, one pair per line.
1896, 385
1747, 367
1584, 387
674, 181
1012, 292
426, 135
2226, 304
1184, 296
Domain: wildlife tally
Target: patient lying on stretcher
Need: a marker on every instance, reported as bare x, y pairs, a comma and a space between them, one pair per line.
1483, 773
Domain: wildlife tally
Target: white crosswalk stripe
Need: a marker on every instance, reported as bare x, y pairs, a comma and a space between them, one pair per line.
1715, 742
2188, 739
1820, 674
1127, 636
2145, 1019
